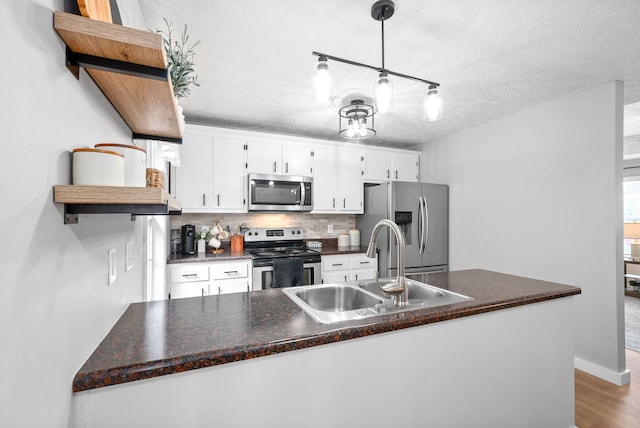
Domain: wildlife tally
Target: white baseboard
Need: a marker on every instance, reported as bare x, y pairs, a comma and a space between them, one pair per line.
622, 378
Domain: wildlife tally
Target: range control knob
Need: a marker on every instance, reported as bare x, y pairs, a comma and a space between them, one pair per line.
298, 232
250, 233
293, 232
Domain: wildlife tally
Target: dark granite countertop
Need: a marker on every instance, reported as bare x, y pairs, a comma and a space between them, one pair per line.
171, 336
207, 257
331, 251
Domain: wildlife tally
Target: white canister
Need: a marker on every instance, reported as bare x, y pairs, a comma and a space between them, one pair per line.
135, 163
343, 240
95, 167
354, 237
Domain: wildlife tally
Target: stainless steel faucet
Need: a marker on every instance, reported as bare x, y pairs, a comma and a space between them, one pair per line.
397, 289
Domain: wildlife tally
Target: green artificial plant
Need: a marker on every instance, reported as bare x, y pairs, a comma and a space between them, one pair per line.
180, 60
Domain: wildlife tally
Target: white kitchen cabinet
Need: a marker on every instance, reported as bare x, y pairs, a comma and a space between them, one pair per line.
212, 177
272, 156
405, 167
230, 277
362, 267
337, 180
188, 280
325, 179
350, 187
193, 178
209, 278
387, 165
348, 267
229, 175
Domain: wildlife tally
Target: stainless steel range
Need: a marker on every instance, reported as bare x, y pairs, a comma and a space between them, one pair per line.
269, 244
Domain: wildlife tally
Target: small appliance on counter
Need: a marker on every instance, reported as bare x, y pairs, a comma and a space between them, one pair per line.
175, 241
188, 239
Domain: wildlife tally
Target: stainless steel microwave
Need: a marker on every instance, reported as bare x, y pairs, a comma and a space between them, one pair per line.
280, 193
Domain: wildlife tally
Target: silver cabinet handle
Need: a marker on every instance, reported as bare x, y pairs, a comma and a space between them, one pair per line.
189, 275
219, 290
345, 278
204, 199
336, 264
344, 203
364, 263
203, 292
396, 174
218, 200
334, 202
388, 176
229, 272
286, 167
275, 163
248, 289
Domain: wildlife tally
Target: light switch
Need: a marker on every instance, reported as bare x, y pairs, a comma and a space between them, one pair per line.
128, 256
111, 266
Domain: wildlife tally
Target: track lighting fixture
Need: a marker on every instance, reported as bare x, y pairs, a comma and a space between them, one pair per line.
383, 88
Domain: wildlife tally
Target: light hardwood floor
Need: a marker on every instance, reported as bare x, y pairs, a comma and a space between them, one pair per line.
600, 404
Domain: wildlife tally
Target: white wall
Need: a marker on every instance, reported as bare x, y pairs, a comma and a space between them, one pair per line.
55, 305
539, 194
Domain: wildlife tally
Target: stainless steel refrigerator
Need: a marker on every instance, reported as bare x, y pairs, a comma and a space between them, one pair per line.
422, 212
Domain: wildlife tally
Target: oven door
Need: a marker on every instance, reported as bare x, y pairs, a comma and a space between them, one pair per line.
263, 276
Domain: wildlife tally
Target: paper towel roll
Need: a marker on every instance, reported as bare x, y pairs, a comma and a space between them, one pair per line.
354, 237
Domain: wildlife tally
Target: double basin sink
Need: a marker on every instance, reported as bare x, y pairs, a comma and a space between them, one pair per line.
332, 303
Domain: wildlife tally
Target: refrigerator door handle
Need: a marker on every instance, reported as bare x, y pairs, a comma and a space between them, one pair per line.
426, 225
420, 225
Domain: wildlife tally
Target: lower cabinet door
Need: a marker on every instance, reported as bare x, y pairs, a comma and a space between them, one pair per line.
189, 289
362, 274
335, 276
240, 285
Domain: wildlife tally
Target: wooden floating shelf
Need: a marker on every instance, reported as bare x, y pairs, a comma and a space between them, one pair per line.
130, 68
114, 200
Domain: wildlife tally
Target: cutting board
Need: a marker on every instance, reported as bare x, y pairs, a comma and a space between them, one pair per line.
96, 9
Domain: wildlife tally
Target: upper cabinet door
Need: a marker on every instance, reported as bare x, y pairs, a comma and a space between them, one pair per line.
325, 178
350, 199
229, 175
193, 178
405, 167
264, 156
297, 159
377, 165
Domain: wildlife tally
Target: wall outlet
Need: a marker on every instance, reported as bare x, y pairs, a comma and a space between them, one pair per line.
329, 228
111, 266
128, 256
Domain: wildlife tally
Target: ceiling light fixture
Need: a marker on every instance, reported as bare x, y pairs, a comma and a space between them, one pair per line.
432, 103
356, 120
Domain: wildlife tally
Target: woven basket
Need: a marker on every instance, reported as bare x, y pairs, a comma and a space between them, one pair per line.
155, 178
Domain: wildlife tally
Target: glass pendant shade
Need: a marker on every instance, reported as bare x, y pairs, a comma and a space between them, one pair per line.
322, 81
383, 93
432, 106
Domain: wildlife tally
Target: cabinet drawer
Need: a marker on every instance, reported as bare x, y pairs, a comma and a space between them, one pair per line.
361, 261
335, 263
229, 270
335, 276
190, 273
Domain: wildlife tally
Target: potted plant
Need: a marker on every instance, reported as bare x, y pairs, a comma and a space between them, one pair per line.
180, 59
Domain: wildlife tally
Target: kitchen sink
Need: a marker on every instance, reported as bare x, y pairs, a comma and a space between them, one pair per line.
332, 303
418, 292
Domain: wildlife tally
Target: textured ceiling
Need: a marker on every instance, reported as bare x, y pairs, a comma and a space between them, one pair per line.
492, 58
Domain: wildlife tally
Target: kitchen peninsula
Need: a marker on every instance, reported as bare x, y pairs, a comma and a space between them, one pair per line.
256, 359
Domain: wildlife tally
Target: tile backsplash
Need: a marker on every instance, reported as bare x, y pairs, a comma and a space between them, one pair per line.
315, 225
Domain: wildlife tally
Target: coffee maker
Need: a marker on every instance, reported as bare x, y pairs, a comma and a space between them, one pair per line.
188, 239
